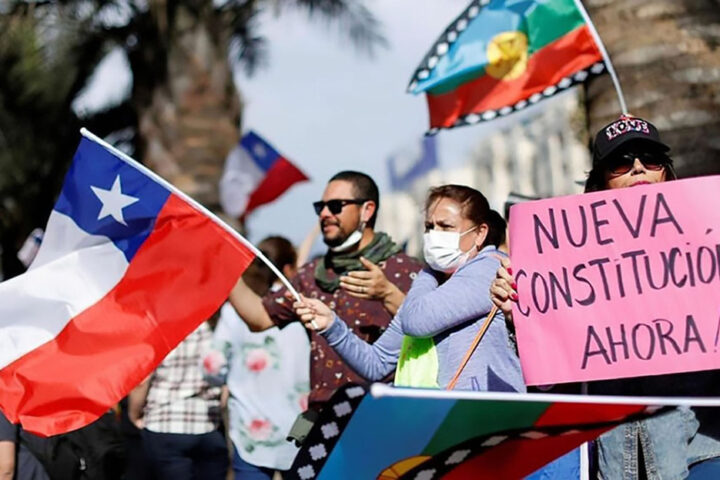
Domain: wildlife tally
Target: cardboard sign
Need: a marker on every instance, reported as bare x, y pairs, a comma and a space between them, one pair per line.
619, 283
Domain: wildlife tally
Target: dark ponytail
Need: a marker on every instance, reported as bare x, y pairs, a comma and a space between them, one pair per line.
496, 229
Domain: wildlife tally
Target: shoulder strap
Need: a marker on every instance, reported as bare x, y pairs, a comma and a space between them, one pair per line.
472, 348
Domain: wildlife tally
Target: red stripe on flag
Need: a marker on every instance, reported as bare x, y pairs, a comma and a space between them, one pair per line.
585, 413
519, 457
178, 278
281, 176
563, 57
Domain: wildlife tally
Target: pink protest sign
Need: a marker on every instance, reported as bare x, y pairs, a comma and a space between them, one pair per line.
619, 283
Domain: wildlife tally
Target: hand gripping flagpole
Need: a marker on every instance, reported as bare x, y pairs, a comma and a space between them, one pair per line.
137, 165
606, 56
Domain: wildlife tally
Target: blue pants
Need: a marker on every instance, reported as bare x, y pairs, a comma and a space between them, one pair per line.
246, 471
176, 456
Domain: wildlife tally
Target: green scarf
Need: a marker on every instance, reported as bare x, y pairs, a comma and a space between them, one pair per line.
329, 270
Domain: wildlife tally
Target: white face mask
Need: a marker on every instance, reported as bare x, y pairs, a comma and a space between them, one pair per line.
442, 250
352, 239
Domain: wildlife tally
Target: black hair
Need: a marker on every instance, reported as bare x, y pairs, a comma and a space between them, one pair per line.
595, 181
280, 252
496, 229
364, 188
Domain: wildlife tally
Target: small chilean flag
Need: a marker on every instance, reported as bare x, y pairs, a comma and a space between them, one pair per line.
128, 267
255, 174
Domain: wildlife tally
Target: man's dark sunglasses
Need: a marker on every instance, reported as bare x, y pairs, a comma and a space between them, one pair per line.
336, 206
622, 164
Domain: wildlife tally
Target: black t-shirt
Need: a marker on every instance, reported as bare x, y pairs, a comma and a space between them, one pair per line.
27, 467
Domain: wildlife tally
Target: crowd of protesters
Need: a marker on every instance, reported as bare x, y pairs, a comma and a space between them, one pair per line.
223, 404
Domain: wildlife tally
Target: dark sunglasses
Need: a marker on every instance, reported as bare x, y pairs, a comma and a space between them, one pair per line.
622, 164
336, 206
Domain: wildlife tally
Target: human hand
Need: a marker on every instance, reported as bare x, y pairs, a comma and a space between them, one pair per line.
503, 290
136, 419
313, 313
371, 284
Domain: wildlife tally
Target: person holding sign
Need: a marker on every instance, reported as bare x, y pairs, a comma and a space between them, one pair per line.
441, 315
629, 153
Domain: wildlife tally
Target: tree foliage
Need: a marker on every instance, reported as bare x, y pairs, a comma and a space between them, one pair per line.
49, 50
42, 72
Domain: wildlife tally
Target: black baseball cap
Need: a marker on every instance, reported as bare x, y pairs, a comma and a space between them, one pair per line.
623, 130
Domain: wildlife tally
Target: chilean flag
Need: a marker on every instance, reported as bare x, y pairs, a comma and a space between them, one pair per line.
128, 267
255, 174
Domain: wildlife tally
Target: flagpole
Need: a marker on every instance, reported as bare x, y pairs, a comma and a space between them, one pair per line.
381, 390
606, 56
138, 166
584, 448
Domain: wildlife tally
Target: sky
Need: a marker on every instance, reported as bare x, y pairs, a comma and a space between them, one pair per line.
328, 107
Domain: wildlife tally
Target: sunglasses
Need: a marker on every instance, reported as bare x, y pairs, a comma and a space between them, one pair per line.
622, 164
335, 206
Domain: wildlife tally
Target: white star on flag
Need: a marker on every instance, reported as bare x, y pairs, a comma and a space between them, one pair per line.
113, 201
259, 150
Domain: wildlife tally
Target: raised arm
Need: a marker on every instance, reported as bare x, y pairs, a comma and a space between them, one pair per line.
249, 306
428, 311
371, 361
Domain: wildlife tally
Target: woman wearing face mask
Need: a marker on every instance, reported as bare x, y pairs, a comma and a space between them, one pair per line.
442, 312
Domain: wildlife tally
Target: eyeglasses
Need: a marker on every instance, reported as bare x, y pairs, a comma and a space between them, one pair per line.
622, 164
336, 206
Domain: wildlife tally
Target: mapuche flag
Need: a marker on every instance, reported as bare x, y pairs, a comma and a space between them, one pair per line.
501, 56
399, 433
128, 267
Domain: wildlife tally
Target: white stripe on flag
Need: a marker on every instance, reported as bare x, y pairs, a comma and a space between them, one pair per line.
61, 283
240, 178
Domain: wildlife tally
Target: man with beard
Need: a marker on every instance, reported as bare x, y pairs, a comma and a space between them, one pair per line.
363, 277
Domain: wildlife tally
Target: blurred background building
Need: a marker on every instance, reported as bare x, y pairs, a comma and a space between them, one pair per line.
540, 155
667, 56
